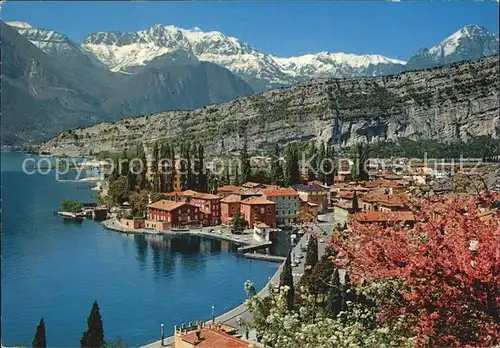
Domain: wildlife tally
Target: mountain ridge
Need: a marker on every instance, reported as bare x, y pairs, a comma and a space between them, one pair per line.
451, 102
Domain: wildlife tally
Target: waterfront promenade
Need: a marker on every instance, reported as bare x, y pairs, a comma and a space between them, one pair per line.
231, 317
245, 240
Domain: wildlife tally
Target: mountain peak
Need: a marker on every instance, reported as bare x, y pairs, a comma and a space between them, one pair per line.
19, 25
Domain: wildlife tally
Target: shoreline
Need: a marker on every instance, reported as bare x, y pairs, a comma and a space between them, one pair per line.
241, 311
113, 225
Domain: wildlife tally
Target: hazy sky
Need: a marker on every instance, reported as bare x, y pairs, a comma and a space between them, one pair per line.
393, 29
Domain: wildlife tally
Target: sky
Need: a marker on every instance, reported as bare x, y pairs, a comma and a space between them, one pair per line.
283, 28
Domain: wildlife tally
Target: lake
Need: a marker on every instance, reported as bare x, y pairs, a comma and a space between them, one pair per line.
55, 269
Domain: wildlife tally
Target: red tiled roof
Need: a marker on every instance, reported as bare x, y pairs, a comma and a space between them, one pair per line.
282, 191
231, 199
207, 196
166, 205
229, 188
250, 184
257, 201
384, 199
377, 216
260, 225
210, 338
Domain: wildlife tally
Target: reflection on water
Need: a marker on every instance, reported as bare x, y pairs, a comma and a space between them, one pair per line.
56, 268
165, 250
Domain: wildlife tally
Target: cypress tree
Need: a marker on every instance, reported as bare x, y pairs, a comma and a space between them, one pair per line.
40, 341
141, 177
94, 336
202, 177
330, 157
286, 279
292, 176
245, 163
319, 162
277, 176
236, 181
311, 256
228, 179
355, 203
311, 156
333, 303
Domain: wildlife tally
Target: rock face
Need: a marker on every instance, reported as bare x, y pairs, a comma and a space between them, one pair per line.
446, 103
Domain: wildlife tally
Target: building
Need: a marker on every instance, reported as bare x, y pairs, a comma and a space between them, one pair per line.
132, 223
308, 212
315, 194
341, 213
261, 232
287, 204
209, 205
174, 215
207, 336
383, 202
383, 218
258, 209
227, 190
228, 207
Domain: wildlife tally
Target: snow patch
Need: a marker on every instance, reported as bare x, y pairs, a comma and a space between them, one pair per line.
17, 24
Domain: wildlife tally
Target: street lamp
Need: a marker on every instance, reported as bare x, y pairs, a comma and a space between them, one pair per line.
213, 314
162, 334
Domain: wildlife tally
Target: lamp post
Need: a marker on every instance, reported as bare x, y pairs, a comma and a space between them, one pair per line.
162, 332
213, 314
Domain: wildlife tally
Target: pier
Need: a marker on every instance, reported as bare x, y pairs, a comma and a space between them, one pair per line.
248, 248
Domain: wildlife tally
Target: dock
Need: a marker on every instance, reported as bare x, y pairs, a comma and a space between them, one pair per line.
265, 257
248, 248
70, 215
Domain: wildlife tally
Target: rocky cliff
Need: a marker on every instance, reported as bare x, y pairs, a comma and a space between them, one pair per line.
446, 103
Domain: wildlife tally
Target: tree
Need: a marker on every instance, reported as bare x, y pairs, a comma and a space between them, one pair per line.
94, 336
250, 289
236, 181
311, 255
40, 341
71, 206
155, 168
238, 223
330, 167
292, 174
441, 274
312, 154
355, 203
277, 176
362, 155
246, 170
286, 279
202, 177
118, 191
141, 177
139, 202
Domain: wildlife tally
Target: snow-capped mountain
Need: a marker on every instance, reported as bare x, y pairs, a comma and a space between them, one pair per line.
123, 51
469, 43
325, 64
128, 52
54, 43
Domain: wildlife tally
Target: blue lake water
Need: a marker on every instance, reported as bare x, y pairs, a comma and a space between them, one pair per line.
55, 269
